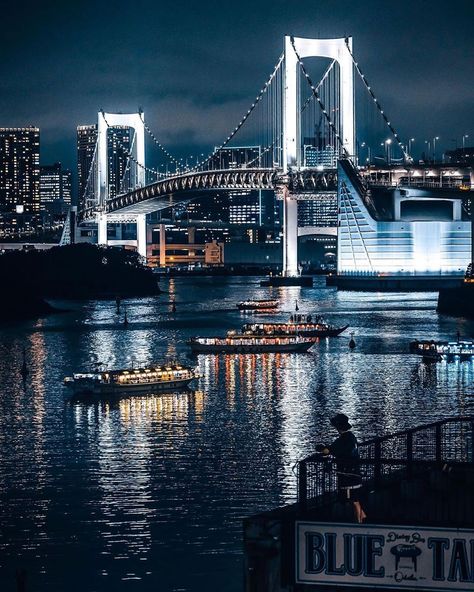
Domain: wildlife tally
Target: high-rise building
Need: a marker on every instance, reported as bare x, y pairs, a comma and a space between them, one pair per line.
320, 211
317, 157
20, 170
55, 188
119, 141
86, 144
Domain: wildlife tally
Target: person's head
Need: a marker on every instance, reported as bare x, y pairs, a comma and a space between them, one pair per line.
340, 422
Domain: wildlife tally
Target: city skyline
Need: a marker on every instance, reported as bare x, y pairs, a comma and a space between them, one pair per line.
180, 77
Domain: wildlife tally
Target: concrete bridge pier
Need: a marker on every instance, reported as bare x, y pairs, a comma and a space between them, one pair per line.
290, 235
101, 228
141, 235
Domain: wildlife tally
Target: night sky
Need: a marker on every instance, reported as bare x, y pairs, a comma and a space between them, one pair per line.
195, 67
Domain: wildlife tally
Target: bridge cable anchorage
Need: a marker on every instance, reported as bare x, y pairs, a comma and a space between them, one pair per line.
320, 83
318, 99
244, 118
130, 155
377, 104
159, 144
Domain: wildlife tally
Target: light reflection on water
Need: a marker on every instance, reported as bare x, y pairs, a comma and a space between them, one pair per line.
152, 489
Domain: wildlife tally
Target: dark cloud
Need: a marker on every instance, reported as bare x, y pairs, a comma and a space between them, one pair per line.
195, 66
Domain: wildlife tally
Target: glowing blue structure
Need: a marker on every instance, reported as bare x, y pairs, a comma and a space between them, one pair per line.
402, 231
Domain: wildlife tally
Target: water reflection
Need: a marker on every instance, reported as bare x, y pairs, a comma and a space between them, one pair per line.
133, 484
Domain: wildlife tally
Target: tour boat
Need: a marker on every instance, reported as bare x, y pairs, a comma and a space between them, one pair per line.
258, 305
242, 344
145, 380
436, 351
299, 324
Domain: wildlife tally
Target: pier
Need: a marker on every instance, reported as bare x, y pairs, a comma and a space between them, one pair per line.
419, 533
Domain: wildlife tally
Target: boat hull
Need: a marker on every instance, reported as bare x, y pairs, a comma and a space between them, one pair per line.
232, 348
118, 389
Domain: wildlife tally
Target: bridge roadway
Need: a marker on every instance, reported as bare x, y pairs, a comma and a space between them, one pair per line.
172, 190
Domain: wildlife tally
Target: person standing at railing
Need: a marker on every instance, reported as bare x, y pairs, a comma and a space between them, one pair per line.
346, 452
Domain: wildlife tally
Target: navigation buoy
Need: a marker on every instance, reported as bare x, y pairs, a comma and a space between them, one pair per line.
24, 368
173, 306
352, 342
296, 305
117, 303
125, 319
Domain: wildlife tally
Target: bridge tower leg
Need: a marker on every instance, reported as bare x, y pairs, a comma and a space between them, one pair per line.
102, 229
104, 121
141, 235
329, 48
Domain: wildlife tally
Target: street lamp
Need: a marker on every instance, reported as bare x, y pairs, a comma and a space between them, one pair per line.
387, 148
434, 147
464, 142
429, 149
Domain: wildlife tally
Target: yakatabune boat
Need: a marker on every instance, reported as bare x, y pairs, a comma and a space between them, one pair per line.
145, 380
242, 344
303, 325
258, 305
436, 351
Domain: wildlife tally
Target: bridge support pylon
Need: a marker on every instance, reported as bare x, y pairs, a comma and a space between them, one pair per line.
141, 235
336, 49
101, 228
290, 235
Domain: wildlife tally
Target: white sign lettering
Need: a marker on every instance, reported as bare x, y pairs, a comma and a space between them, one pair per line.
402, 557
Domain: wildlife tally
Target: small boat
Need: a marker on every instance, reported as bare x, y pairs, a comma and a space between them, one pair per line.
145, 380
450, 351
302, 325
239, 343
258, 305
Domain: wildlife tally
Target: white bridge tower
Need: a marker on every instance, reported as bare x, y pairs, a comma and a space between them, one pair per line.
337, 50
136, 122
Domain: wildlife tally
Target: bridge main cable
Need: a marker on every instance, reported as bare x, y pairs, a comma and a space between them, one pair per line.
244, 118
377, 104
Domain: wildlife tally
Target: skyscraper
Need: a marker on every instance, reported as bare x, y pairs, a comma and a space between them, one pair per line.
20, 170
55, 188
86, 143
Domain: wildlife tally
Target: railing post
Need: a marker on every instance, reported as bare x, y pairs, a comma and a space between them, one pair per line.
438, 443
302, 484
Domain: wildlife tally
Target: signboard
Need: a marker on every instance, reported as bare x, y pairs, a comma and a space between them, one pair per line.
379, 556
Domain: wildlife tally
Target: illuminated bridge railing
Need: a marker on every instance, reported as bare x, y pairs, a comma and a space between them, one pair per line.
422, 458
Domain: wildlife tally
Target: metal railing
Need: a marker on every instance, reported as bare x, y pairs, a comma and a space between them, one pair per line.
405, 455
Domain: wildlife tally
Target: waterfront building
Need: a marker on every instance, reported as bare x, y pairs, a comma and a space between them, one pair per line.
20, 170
86, 138
320, 210
55, 188
316, 157
401, 231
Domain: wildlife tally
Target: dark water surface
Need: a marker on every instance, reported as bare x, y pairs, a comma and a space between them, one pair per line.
148, 492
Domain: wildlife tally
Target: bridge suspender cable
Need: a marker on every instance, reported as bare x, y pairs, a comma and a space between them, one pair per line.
318, 98
129, 154
158, 143
377, 104
320, 83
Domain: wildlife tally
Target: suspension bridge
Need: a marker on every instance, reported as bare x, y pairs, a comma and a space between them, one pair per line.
290, 117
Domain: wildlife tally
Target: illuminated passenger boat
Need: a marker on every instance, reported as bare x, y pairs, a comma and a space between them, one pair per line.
145, 380
235, 343
436, 351
258, 305
303, 325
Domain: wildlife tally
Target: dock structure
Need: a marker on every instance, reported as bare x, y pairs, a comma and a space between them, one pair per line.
419, 534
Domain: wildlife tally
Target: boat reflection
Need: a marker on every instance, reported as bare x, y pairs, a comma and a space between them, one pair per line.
146, 406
